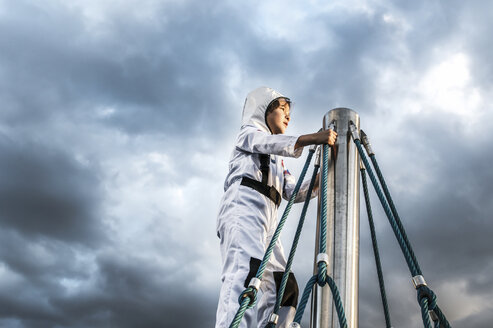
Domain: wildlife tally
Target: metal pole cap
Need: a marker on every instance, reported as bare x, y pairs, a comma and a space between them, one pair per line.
294, 325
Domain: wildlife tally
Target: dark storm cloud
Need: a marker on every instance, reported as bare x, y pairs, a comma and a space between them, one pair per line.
447, 221
134, 291
45, 192
162, 75
168, 75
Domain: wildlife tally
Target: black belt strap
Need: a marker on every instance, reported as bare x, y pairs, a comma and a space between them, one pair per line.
264, 167
268, 191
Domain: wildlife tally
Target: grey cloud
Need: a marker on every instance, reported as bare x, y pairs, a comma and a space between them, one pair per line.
133, 291
166, 78
45, 192
158, 76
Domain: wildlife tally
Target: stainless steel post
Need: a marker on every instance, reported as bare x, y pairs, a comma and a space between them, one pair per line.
343, 225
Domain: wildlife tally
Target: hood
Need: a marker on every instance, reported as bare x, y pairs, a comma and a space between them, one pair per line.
255, 106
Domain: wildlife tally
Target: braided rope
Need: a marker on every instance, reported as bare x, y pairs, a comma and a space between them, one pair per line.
322, 266
426, 297
376, 252
295, 244
388, 212
394, 210
336, 297
241, 311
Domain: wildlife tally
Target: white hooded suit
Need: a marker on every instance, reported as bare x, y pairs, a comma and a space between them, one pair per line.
247, 219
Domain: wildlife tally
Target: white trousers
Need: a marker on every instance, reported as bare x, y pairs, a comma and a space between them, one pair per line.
244, 240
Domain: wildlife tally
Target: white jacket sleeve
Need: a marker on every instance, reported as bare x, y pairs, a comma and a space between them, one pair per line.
253, 140
290, 184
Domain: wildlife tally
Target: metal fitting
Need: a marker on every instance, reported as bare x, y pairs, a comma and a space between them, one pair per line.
354, 131
294, 325
362, 165
419, 281
433, 315
255, 283
323, 257
273, 318
332, 126
366, 143
317, 157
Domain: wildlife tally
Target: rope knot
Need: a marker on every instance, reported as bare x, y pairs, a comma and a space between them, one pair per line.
425, 292
251, 294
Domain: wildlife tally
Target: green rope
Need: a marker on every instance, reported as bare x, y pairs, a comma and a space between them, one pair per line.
247, 293
376, 253
322, 278
393, 209
426, 297
335, 296
322, 266
294, 246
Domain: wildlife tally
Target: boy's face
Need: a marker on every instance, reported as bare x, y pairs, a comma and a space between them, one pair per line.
278, 119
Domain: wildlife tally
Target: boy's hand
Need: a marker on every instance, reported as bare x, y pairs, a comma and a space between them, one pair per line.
327, 137
323, 137
332, 137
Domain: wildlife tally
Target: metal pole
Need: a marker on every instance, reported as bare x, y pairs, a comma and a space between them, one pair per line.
343, 225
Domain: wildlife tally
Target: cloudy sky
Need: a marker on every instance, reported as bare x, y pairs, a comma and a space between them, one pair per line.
117, 119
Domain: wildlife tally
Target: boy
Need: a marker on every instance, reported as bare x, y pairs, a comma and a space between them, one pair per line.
247, 216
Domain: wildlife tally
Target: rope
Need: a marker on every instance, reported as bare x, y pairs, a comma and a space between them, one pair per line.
247, 293
388, 212
322, 266
393, 209
335, 296
376, 252
321, 278
294, 246
426, 297
241, 312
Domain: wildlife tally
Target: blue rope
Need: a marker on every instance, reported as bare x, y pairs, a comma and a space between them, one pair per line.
388, 212
250, 294
321, 278
376, 252
277, 233
335, 296
426, 297
241, 312
304, 298
394, 210
294, 246
322, 266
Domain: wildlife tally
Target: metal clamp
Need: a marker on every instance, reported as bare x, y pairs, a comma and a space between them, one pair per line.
294, 325
366, 143
362, 165
332, 126
419, 281
255, 283
323, 257
317, 157
273, 318
354, 130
